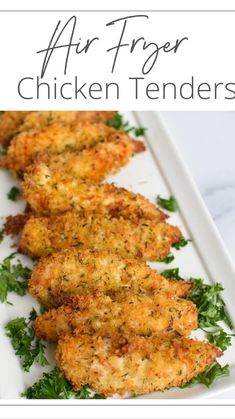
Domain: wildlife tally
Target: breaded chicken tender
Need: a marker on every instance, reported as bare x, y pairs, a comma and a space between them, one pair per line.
92, 164
10, 122
73, 272
146, 240
56, 138
39, 120
13, 122
138, 314
134, 364
49, 194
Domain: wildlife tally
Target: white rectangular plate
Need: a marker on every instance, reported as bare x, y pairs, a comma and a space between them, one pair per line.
158, 171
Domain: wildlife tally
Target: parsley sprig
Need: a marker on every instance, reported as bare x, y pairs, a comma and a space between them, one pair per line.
26, 345
167, 204
172, 274
168, 259
211, 311
181, 243
118, 123
13, 193
53, 385
13, 277
213, 373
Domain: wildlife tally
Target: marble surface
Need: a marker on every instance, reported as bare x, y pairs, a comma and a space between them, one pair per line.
207, 143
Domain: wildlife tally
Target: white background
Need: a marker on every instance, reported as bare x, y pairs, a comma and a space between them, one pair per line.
208, 55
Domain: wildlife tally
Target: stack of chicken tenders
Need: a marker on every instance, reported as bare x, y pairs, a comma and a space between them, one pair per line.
120, 326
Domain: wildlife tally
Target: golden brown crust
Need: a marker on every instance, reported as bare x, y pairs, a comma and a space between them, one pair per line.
138, 314
148, 241
38, 120
13, 122
10, 122
92, 164
56, 138
74, 272
49, 193
120, 326
132, 364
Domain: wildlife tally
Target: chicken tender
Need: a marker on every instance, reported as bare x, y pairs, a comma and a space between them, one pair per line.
73, 272
49, 194
10, 122
92, 164
39, 120
138, 314
134, 364
13, 122
57, 138
148, 241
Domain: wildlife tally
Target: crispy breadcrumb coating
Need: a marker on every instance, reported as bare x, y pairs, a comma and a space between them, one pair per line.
121, 327
10, 122
13, 122
146, 240
56, 138
92, 164
139, 314
134, 364
73, 272
49, 194
39, 120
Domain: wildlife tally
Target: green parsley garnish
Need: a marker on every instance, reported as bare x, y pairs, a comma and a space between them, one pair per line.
167, 204
167, 259
3, 151
13, 278
26, 345
118, 123
138, 132
220, 338
1, 236
53, 385
86, 393
211, 310
181, 243
172, 274
13, 194
213, 373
